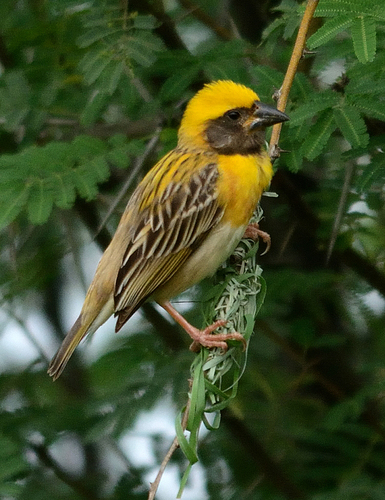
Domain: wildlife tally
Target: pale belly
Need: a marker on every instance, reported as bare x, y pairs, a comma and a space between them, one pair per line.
218, 246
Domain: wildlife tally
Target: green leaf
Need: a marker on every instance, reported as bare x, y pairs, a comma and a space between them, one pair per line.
314, 105
64, 190
12, 203
319, 135
301, 86
95, 67
197, 399
174, 86
294, 160
10, 490
187, 449
331, 8
268, 78
95, 104
88, 175
110, 76
374, 173
99, 168
11, 466
364, 38
86, 187
14, 99
329, 30
352, 126
370, 106
40, 202
96, 34
89, 60
299, 133
143, 47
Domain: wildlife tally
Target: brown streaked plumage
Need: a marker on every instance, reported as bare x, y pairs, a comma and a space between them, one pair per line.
185, 217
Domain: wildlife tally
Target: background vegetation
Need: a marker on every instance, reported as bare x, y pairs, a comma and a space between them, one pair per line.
91, 95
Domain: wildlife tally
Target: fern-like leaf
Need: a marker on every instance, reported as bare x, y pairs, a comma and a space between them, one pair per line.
294, 160
267, 77
142, 48
374, 173
177, 83
331, 8
12, 202
352, 126
370, 106
319, 135
314, 105
40, 202
38, 178
329, 30
63, 189
364, 38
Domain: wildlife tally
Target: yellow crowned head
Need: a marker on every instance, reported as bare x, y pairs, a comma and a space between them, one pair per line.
208, 104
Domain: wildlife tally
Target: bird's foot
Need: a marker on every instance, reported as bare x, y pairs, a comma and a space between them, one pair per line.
207, 338
252, 231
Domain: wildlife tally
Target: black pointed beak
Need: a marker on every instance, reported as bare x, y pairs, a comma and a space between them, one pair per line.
266, 115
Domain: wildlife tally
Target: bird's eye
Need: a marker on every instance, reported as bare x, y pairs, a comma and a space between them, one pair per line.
233, 115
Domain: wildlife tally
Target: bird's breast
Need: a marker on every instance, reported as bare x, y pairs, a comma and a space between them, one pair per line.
242, 180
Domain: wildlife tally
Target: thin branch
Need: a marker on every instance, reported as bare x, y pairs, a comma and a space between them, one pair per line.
155, 485
135, 170
204, 18
167, 29
309, 223
296, 56
349, 170
72, 128
28, 333
77, 485
369, 415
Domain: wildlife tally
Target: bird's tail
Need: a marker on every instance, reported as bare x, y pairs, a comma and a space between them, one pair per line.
80, 329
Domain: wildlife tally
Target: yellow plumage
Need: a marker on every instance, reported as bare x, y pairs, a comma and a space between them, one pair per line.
186, 216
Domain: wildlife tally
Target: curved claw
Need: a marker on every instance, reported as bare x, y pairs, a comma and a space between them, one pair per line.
252, 231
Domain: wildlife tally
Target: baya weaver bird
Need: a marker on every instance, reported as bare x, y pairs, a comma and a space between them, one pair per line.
185, 217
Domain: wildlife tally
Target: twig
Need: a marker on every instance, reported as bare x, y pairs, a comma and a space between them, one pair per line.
28, 333
154, 486
135, 170
341, 209
296, 56
76, 484
209, 21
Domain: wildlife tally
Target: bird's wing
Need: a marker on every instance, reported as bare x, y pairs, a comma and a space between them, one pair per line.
168, 225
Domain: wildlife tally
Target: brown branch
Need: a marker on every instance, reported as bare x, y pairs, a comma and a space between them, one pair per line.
204, 18
72, 128
77, 485
167, 30
349, 170
309, 224
137, 166
368, 271
296, 56
154, 486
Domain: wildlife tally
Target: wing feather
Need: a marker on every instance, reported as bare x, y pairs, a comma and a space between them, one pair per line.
166, 229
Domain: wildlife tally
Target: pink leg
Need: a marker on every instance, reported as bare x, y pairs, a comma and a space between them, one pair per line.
253, 232
204, 337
